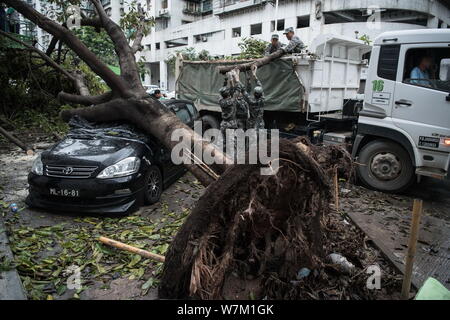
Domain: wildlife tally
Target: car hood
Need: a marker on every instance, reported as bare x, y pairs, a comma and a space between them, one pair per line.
100, 152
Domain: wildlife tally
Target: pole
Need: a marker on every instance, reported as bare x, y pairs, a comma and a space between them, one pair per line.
123, 246
412, 244
276, 16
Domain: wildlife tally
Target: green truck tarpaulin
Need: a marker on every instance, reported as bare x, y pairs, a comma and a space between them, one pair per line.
200, 82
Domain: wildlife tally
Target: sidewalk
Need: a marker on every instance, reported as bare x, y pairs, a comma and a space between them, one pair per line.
10, 285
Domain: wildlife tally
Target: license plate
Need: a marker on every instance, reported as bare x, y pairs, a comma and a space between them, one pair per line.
64, 192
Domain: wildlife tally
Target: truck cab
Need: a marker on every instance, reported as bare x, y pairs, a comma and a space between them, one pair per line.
403, 130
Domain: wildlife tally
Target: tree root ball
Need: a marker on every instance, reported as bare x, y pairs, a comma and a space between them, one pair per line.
249, 234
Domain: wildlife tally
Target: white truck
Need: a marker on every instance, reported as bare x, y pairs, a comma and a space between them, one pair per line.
396, 127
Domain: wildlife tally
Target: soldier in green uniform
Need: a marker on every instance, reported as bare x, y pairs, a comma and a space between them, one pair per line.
295, 45
242, 108
255, 103
228, 106
274, 45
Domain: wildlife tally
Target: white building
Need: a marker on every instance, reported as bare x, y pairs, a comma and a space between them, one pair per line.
114, 8
219, 25
50, 10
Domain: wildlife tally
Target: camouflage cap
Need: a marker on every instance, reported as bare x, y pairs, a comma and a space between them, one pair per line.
288, 30
275, 36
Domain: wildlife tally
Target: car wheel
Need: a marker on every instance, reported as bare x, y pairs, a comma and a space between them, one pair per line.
210, 122
385, 166
153, 185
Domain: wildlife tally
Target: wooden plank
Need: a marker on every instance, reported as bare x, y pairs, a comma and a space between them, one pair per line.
389, 232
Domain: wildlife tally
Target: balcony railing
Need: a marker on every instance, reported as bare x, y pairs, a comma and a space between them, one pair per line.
226, 6
21, 30
201, 8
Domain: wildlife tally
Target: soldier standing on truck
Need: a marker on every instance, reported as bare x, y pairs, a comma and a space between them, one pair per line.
295, 44
274, 45
256, 103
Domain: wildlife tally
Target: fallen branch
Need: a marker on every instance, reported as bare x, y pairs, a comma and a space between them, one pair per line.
17, 142
126, 247
247, 66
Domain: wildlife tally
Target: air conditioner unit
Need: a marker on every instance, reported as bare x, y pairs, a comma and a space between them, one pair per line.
164, 12
205, 39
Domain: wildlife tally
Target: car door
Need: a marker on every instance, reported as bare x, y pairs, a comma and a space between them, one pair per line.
422, 108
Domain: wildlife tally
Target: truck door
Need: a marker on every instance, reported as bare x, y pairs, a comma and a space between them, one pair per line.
421, 96
380, 85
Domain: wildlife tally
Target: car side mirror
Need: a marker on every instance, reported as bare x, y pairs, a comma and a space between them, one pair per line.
444, 73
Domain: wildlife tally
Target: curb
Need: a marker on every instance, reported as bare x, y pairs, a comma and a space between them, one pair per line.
11, 287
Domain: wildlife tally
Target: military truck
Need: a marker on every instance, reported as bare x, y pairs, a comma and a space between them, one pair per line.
397, 128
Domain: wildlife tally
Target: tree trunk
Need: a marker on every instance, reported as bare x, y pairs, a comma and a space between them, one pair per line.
247, 66
152, 117
16, 141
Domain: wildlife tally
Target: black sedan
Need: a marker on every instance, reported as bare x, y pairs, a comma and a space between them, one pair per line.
105, 168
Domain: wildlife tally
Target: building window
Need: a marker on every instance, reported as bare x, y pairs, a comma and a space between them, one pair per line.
210, 36
280, 25
255, 29
236, 32
176, 42
303, 22
161, 25
158, 46
387, 15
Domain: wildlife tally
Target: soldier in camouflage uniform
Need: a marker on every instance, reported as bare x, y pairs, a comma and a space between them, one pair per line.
274, 45
242, 108
295, 44
228, 106
242, 111
256, 103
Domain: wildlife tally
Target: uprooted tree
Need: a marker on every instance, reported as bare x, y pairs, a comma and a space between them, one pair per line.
246, 226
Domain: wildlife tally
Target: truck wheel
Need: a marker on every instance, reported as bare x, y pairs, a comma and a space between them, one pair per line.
153, 185
385, 166
210, 122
